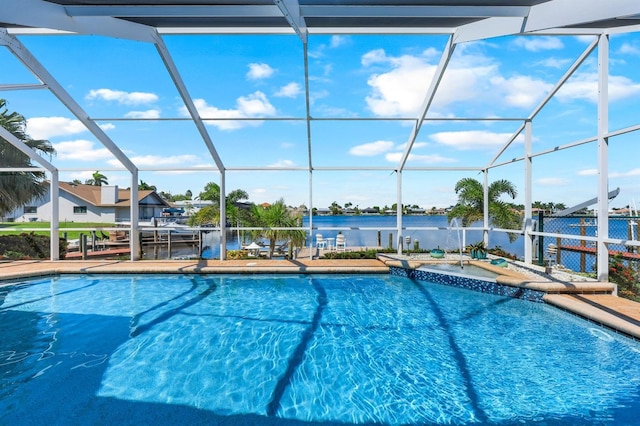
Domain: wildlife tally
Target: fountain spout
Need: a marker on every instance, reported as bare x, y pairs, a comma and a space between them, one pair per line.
454, 224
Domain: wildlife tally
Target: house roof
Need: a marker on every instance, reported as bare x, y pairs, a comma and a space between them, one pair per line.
92, 194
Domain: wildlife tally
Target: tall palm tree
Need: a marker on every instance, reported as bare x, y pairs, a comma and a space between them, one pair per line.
277, 215
19, 188
98, 179
470, 207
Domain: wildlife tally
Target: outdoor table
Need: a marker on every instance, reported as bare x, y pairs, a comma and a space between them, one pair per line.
331, 243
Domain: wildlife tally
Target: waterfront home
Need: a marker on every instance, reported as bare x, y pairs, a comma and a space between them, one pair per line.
90, 203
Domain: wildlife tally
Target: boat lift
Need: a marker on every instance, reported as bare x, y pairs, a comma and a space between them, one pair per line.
612, 194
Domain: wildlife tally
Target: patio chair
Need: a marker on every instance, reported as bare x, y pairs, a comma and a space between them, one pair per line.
341, 243
281, 250
321, 243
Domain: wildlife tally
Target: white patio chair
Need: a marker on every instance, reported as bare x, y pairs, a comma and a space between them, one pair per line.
341, 243
321, 243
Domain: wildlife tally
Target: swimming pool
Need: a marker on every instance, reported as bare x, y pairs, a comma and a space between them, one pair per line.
232, 349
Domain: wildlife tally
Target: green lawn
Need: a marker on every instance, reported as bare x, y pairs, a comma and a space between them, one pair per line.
7, 228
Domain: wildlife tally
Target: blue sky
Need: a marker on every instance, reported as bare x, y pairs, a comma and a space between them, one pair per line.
248, 76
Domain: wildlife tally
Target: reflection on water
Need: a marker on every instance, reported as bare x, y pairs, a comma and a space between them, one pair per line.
210, 247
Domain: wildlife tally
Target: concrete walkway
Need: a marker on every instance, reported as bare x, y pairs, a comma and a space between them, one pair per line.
28, 268
619, 314
591, 300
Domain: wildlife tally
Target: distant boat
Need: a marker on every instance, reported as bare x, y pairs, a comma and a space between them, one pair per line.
176, 227
164, 224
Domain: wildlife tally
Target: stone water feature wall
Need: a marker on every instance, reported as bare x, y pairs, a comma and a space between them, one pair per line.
470, 283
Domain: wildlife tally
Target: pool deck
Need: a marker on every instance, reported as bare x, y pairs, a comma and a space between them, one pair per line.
589, 299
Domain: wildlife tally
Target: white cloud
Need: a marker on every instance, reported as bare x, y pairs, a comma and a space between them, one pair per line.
629, 49
630, 173
338, 40
395, 157
161, 161
551, 181
282, 164
586, 39
401, 90
124, 98
372, 148
431, 52
521, 91
320, 94
472, 139
374, 57
584, 86
538, 43
259, 71
81, 150
49, 127
290, 90
254, 105
588, 172
107, 126
150, 113
554, 63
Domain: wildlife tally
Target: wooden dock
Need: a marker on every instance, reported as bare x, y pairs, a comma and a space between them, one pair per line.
99, 254
592, 251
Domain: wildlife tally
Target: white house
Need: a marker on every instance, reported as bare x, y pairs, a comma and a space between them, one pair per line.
89, 203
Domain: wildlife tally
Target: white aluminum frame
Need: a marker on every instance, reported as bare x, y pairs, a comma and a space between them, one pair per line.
552, 17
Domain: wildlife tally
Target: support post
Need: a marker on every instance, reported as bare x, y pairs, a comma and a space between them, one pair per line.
399, 210
54, 187
528, 219
134, 234
602, 262
541, 238
485, 213
223, 215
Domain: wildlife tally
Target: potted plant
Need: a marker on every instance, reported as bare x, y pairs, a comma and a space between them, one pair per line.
437, 253
478, 250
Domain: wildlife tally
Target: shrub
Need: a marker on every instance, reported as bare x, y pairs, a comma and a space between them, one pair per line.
362, 254
499, 251
626, 276
28, 246
237, 254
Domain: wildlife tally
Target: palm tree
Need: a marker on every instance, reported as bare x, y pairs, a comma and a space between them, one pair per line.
470, 207
19, 188
98, 179
211, 214
277, 215
335, 208
144, 186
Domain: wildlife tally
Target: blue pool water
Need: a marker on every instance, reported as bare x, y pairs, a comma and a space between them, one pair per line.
314, 349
